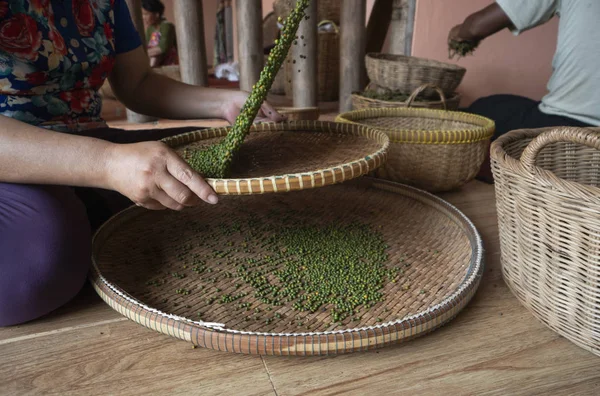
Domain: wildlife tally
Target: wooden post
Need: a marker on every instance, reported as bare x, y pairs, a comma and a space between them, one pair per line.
135, 9
352, 43
304, 77
401, 28
189, 25
229, 30
249, 32
410, 26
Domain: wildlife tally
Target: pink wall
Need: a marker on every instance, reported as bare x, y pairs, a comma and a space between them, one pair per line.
502, 64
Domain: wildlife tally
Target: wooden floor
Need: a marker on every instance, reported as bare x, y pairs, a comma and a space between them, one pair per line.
494, 347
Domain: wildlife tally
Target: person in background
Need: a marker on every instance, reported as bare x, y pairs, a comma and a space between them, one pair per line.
63, 171
160, 35
573, 97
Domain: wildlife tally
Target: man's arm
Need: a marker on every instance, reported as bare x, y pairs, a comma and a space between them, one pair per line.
481, 24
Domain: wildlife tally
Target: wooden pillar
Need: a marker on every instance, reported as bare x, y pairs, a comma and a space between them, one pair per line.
401, 27
229, 30
249, 32
135, 9
189, 25
304, 77
352, 43
410, 26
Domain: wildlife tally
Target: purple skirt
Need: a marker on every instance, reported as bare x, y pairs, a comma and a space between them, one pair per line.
45, 236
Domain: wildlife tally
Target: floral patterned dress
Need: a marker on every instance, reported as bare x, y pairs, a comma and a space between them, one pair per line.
56, 54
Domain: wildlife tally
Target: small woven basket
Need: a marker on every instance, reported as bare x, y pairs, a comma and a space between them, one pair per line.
362, 102
548, 199
434, 150
326, 9
406, 73
328, 67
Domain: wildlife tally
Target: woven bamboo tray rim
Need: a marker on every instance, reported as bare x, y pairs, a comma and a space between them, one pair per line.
218, 336
363, 162
481, 128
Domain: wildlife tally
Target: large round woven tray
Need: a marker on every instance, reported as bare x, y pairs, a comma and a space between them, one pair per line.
292, 156
141, 258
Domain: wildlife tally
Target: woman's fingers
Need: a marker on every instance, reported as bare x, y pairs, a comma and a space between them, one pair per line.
178, 193
164, 200
272, 114
183, 173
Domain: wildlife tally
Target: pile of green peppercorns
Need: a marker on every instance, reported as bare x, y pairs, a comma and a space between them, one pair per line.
215, 161
286, 267
460, 49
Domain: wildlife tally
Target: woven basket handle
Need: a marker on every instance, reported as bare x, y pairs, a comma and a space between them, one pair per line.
422, 88
566, 134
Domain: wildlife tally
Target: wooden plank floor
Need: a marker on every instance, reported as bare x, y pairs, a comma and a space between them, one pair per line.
494, 347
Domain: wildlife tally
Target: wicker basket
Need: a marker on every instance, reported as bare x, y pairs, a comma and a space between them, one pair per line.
362, 102
300, 113
328, 67
435, 150
406, 73
326, 9
548, 198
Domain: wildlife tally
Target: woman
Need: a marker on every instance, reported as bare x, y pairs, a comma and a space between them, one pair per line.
54, 56
160, 35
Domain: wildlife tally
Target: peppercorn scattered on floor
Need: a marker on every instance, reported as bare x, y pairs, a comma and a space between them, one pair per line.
494, 347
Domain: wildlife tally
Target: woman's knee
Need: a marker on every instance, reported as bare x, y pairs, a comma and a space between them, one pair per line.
45, 241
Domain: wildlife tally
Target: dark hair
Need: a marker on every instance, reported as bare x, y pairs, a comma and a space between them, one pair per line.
154, 6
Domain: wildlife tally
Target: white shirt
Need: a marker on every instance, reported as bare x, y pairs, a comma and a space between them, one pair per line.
574, 88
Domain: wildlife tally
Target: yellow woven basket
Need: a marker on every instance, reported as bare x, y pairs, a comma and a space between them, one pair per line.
548, 198
434, 150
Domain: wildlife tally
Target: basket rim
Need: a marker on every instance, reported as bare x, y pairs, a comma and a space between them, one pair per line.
295, 181
483, 128
404, 59
543, 176
121, 301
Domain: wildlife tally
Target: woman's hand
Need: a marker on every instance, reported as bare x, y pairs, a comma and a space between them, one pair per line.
233, 105
155, 177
